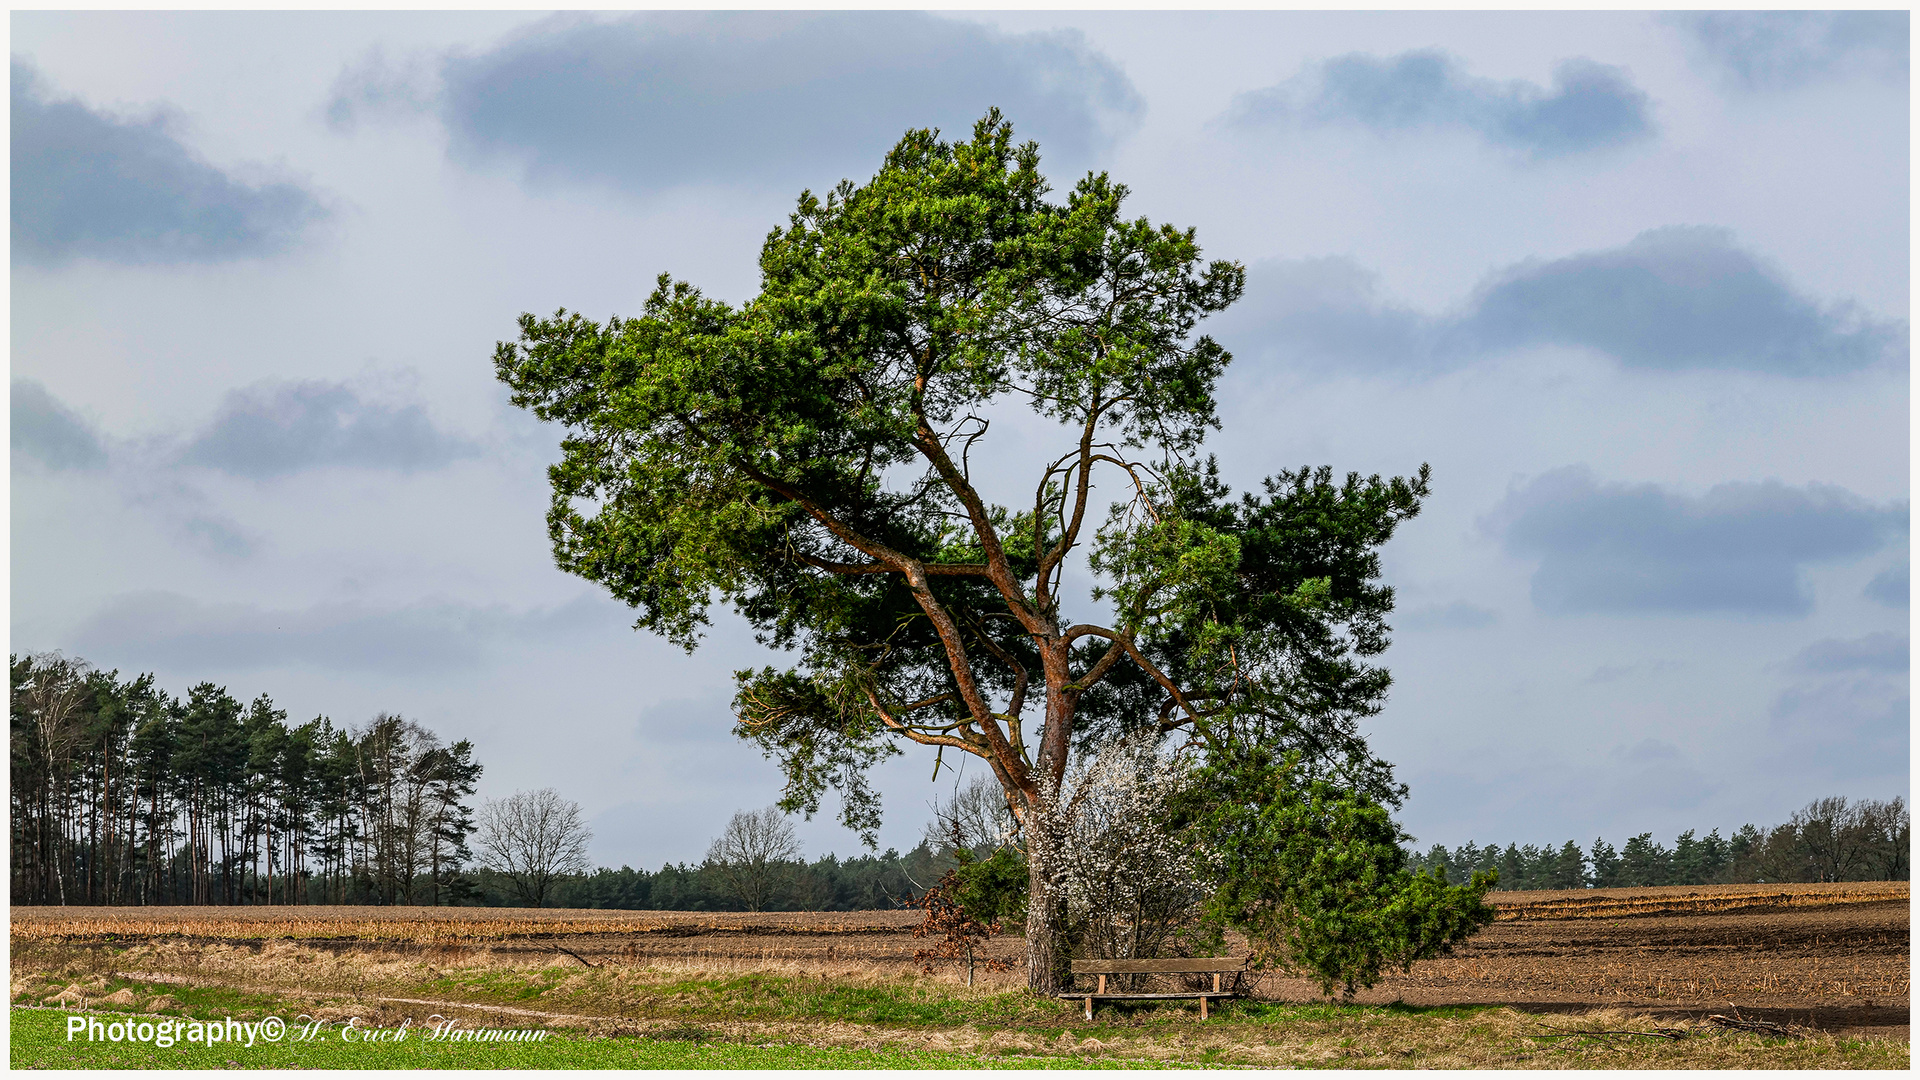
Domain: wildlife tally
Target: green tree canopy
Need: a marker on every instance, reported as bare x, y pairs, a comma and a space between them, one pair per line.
807, 458
1314, 874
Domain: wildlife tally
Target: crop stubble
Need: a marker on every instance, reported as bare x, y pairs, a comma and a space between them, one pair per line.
1835, 955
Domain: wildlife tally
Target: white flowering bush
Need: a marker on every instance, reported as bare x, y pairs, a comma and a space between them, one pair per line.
1128, 885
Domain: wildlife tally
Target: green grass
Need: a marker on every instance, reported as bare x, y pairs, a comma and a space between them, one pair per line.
769, 998
40, 1041
774, 1021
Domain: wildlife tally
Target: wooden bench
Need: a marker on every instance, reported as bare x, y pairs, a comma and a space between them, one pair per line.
1199, 965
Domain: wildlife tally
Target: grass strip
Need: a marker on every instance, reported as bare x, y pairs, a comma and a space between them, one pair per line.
40, 1041
772, 998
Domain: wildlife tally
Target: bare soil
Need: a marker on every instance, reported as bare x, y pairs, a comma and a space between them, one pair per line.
1838, 966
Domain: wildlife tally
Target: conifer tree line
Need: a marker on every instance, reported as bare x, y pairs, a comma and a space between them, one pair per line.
1829, 839
125, 794
829, 883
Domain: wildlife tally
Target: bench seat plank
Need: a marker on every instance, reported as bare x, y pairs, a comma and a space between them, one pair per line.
1070, 996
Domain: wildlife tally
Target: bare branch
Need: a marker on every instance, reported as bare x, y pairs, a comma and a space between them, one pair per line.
1154, 673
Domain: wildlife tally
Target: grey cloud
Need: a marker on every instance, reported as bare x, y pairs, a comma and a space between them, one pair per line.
676, 738
1784, 50
192, 517
1844, 729
44, 429
1607, 673
1874, 652
1647, 750
275, 429
217, 535
376, 86
86, 184
1459, 615
1632, 548
654, 101
1677, 298
1890, 587
164, 629
1325, 312
1590, 105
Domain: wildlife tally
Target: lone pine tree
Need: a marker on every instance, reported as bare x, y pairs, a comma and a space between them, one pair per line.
809, 458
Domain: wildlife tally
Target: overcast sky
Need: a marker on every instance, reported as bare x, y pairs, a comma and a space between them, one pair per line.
1635, 285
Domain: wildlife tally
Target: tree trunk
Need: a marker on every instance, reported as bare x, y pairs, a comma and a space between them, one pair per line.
1047, 965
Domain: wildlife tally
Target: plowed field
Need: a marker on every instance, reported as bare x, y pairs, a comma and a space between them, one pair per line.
1833, 956
1829, 956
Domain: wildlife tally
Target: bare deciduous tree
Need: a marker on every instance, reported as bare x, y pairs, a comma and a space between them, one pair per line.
1890, 827
754, 857
50, 699
977, 815
1847, 841
533, 839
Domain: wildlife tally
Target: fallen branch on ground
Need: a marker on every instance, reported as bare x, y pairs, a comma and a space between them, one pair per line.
1757, 1027
575, 955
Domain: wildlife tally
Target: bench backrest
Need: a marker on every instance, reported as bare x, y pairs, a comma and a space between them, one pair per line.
1176, 966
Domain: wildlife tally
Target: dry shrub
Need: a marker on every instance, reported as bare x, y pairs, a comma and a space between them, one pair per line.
72, 995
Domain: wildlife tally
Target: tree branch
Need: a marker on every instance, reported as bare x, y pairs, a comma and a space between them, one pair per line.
874, 548
997, 569
932, 569
924, 738
1071, 532
1018, 699
1125, 642
957, 659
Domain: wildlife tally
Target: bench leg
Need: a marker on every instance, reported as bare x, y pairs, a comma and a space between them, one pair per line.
1203, 1008
1089, 1008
